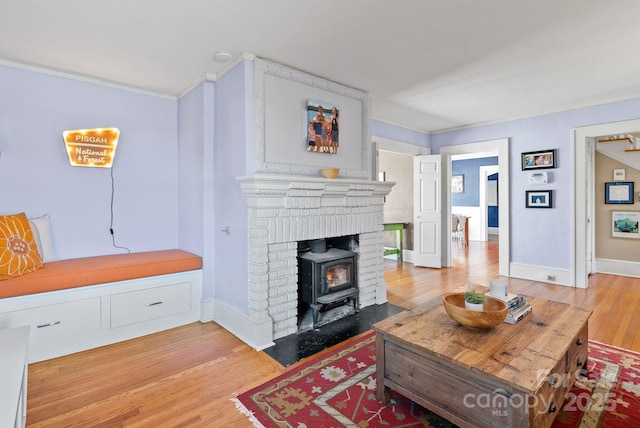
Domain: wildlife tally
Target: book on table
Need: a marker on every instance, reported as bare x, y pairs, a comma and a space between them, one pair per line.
516, 315
517, 306
513, 301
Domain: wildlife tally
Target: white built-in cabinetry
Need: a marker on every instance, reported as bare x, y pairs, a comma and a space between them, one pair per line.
13, 375
67, 321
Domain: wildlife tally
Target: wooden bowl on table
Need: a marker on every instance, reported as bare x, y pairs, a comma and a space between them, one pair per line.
494, 313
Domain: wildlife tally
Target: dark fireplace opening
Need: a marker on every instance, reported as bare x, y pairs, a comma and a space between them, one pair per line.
327, 280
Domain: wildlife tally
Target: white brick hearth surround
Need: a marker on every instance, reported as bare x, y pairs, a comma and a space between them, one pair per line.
282, 210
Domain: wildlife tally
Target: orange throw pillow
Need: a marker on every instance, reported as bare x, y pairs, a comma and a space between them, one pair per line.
18, 250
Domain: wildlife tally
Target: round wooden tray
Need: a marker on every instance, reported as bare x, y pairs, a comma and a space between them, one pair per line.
495, 311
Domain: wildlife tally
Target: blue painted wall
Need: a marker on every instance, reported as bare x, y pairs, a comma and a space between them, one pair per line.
393, 132
233, 138
552, 131
470, 168
36, 177
162, 141
492, 210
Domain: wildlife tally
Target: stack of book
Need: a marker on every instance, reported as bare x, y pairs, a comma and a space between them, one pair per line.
517, 305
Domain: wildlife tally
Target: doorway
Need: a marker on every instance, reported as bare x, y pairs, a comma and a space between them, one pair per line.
489, 206
498, 148
583, 225
393, 161
476, 196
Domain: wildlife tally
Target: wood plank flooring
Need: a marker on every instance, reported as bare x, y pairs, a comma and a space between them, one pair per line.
185, 377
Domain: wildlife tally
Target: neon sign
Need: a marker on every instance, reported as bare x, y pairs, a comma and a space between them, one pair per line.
94, 148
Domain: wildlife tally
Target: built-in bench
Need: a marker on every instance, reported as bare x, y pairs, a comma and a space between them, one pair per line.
78, 304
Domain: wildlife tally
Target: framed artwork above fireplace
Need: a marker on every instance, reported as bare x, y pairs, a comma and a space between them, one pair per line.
322, 127
282, 96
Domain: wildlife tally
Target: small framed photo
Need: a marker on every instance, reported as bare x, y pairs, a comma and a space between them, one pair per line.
322, 127
618, 192
457, 183
539, 199
619, 174
624, 224
543, 159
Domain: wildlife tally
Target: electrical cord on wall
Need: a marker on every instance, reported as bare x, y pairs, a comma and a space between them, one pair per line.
113, 237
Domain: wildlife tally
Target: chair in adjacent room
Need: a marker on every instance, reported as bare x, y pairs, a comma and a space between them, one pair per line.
457, 230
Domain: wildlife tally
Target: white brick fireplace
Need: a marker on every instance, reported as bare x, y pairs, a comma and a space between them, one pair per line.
282, 210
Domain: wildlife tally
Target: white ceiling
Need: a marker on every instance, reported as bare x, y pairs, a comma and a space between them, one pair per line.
429, 65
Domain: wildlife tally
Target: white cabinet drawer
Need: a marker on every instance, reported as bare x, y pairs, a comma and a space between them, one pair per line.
142, 305
56, 322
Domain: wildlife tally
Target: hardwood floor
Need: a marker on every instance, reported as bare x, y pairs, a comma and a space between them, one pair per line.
186, 376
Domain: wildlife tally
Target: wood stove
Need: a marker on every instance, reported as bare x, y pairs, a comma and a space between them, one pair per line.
327, 278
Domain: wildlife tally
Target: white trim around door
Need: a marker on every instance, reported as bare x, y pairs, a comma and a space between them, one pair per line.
501, 149
583, 224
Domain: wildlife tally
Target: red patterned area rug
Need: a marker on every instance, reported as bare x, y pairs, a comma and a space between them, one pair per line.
339, 390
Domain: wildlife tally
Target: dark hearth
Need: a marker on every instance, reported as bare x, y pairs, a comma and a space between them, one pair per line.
293, 348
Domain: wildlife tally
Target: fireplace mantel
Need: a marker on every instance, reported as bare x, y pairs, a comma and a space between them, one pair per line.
272, 191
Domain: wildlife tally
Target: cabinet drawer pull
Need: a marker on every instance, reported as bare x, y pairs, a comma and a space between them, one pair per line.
552, 408
579, 342
579, 363
552, 381
49, 324
154, 303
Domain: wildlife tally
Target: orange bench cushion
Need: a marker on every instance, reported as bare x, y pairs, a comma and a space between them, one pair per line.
72, 273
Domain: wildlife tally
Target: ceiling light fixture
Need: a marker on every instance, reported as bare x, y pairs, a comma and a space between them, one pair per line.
222, 56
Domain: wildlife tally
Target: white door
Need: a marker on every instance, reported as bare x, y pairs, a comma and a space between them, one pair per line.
427, 232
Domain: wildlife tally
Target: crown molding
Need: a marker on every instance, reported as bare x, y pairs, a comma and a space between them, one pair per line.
83, 78
214, 77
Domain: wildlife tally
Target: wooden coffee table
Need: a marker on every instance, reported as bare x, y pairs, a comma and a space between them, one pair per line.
508, 376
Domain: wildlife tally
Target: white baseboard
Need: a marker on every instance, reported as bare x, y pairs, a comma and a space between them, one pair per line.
541, 273
258, 336
618, 267
206, 310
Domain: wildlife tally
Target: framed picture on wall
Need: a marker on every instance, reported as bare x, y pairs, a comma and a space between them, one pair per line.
323, 127
539, 160
624, 224
457, 183
619, 174
539, 199
618, 192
